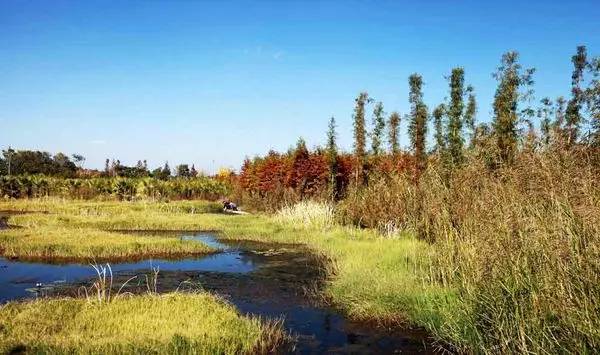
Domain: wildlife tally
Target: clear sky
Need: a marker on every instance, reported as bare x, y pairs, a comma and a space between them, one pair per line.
212, 82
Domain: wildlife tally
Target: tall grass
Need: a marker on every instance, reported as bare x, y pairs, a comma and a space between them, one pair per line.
520, 245
308, 214
508, 261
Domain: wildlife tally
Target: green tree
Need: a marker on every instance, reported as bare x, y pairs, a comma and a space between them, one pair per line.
470, 113
378, 129
573, 115
418, 121
20, 162
455, 139
162, 174
79, 160
512, 79
182, 170
545, 112
438, 124
360, 135
332, 158
393, 132
559, 120
592, 98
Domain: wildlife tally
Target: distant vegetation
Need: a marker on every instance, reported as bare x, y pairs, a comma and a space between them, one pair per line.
31, 174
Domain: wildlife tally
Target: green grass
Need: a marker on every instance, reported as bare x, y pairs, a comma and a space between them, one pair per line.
61, 243
372, 277
173, 323
74, 232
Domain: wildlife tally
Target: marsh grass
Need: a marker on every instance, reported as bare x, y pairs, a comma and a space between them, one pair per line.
508, 263
56, 242
108, 322
307, 213
79, 231
182, 323
518, 246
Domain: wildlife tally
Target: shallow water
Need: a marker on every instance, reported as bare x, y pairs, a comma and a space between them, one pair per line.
18, 279
268, 280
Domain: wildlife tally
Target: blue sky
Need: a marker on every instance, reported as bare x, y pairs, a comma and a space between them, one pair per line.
212, 82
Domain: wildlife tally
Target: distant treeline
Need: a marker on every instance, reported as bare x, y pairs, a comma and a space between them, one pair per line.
17, 162
29, 162
122, 188
28, 174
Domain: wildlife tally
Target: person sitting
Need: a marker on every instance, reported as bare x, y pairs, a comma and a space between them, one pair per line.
229, 206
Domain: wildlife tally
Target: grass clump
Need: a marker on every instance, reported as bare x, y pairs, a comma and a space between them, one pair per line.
308, 214
182, 323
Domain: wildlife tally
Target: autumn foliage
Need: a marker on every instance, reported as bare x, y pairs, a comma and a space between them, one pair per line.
278, 178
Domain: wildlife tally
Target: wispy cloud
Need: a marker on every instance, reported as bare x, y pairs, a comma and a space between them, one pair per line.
262, 52
277, 55
98, 141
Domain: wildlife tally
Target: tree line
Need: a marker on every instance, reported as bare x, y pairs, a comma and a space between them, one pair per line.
518, 125
30, 162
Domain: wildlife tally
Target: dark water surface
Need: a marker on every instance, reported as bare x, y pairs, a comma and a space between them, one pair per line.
268, 280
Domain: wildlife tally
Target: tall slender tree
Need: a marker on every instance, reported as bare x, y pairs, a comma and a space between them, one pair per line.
470, 113
592, 98
545, 113
378, 129
558, 128
418, 121
573, 115
438, 124
511, 80
455, 137
393, 134
332, 158
360, 135
331, 138
166, 171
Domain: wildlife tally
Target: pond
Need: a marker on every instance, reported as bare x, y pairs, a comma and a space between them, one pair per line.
267, 280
